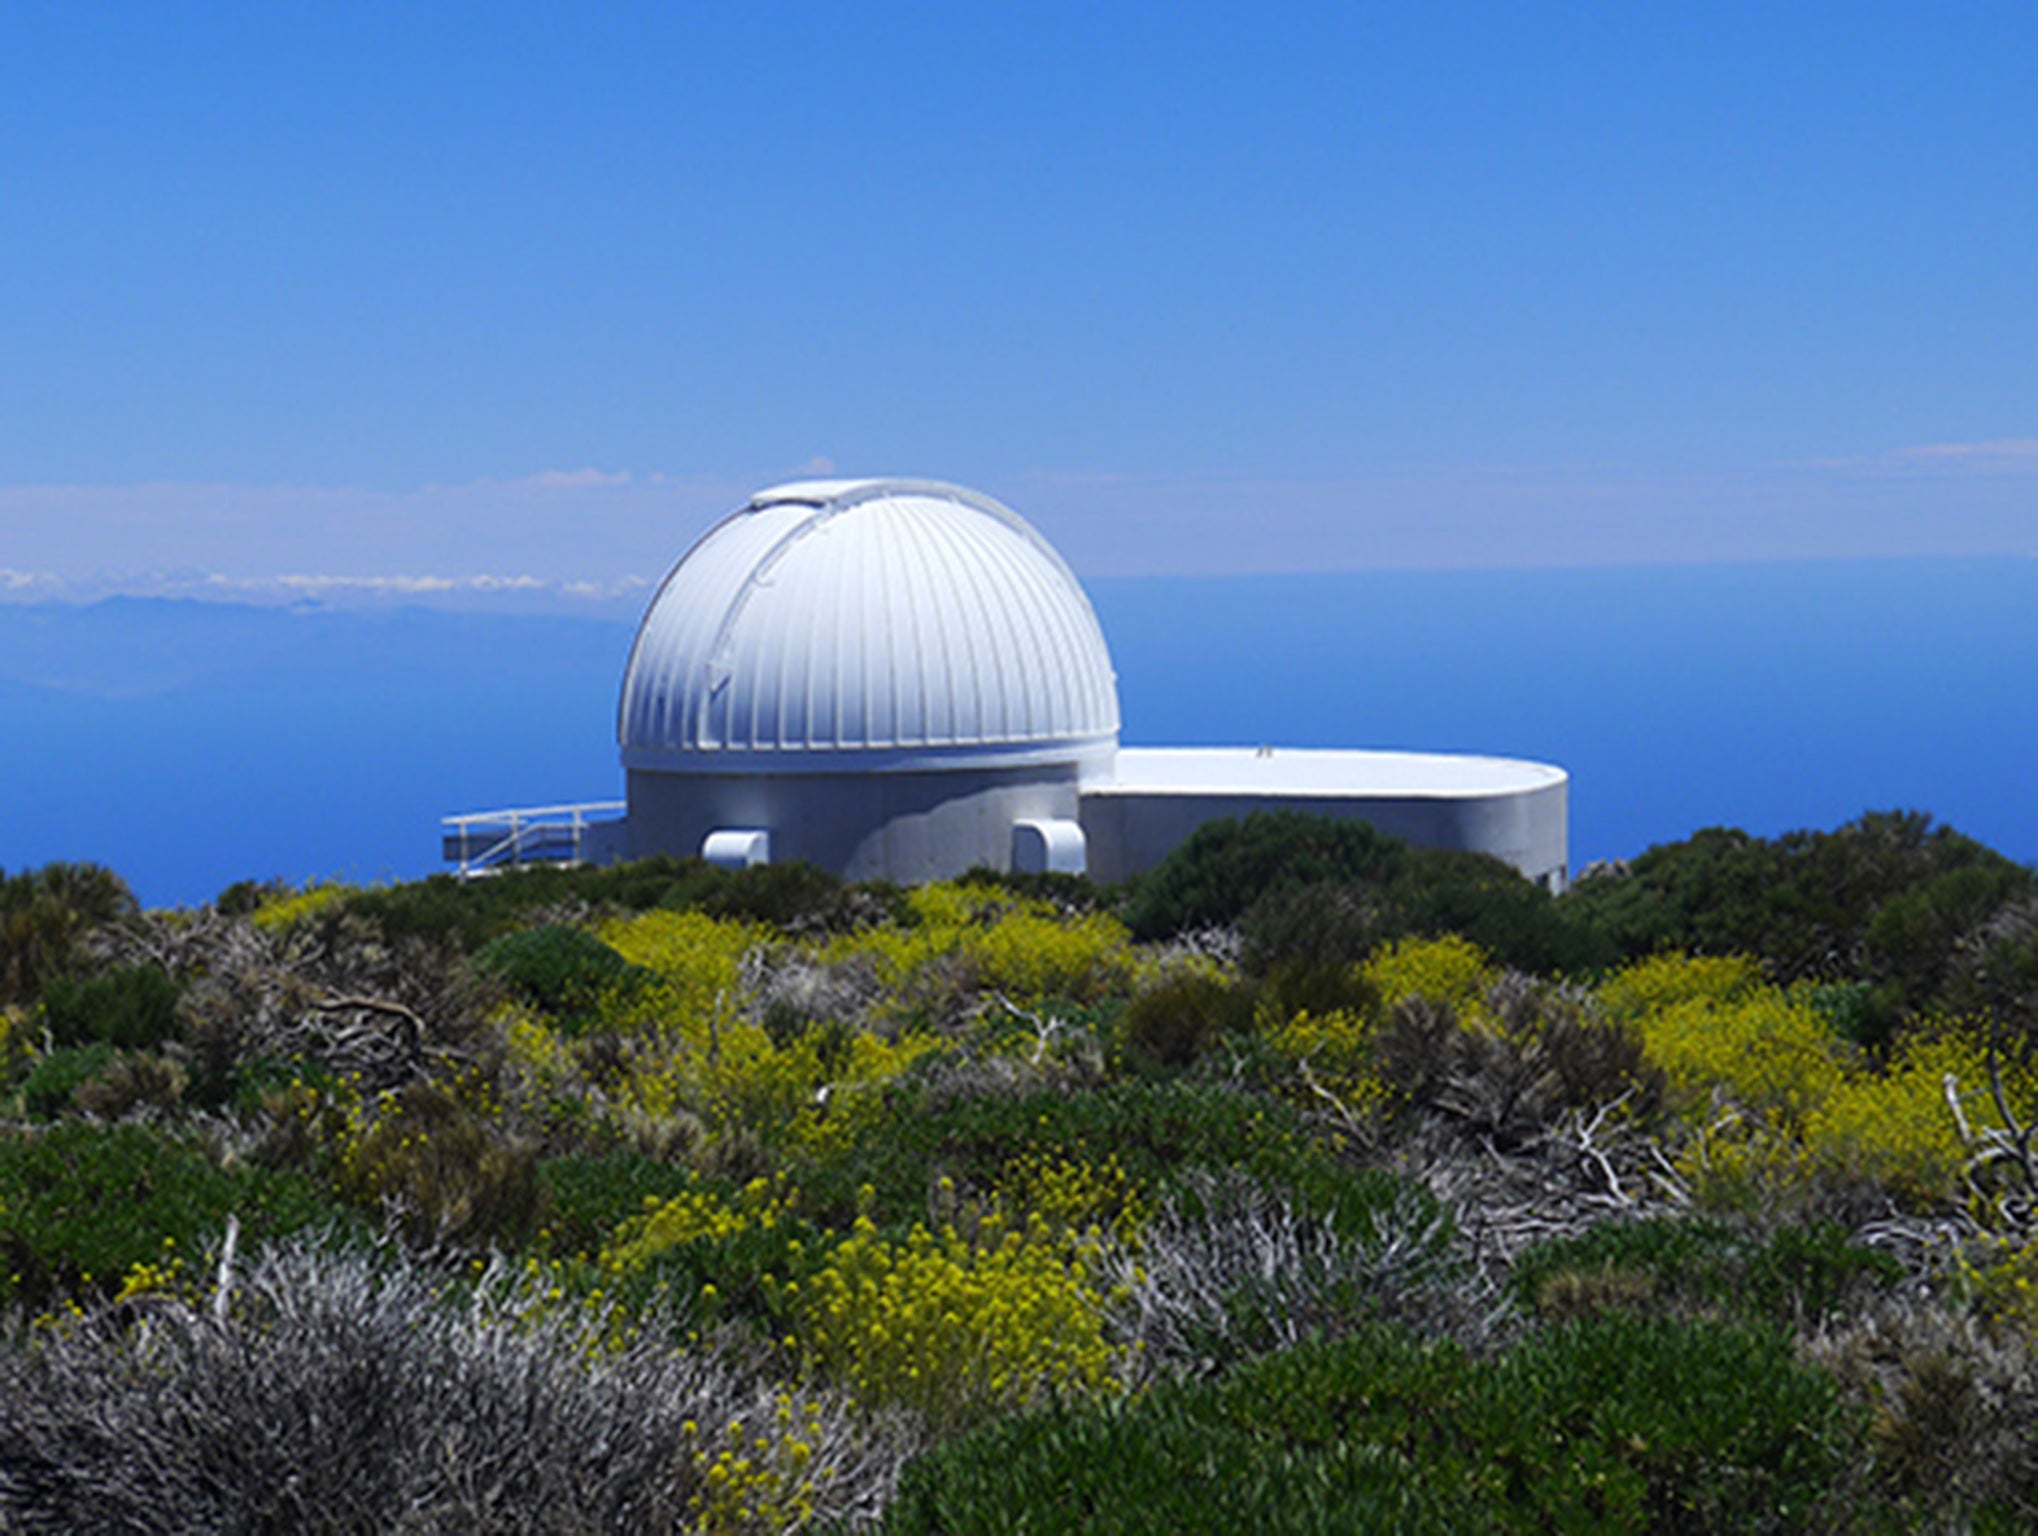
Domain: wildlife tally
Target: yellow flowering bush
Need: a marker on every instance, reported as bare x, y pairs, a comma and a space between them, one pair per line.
701, 1213
685, 1026
1908, 1134
1337, 1049
706, 1258
1009, 944
1663, 981
1447, 970
941, 914
955, 1326
758, 1477
694, 1047
283, 913
540, 1071
1765, 1053
1031, 953
1072, 1196
1737, 1163
854, 1081
1895, 1126
1774, 1099
533, 1048
1747, 1066
660, 1084
2001, 1278
758, 1083
811, 1092
698, 964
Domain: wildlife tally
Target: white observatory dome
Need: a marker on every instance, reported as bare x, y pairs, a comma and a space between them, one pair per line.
837, 624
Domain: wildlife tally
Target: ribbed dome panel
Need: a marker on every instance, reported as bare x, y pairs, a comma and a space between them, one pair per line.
867, 617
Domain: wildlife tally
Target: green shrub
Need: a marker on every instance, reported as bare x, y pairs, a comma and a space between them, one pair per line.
254, 1078
1185, 1017
1326, 924
1889, 898
1189, 1015
45, 916
1224, 866
1852, 1010
565, 971
133, 1008
1481, 898
51, 1087
81, 1205
1916, 940
1646, 1424
1805, 1274
471, 912
1794, 1277
787, 896
1996, 976
1165, 1462
1317, 894
1294, 987
1617, 1425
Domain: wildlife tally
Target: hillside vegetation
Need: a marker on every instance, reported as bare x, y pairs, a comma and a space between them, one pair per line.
1313, 1183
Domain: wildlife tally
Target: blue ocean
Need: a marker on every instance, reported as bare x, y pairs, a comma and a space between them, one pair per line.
189, 745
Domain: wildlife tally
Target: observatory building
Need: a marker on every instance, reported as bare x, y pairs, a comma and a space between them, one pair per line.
902, 679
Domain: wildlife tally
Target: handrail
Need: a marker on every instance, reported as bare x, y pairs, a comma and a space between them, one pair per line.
584, 807
532, 831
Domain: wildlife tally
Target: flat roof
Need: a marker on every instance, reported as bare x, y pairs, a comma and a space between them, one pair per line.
1331, 774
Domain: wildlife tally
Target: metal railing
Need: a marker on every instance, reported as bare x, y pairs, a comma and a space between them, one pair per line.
484, 841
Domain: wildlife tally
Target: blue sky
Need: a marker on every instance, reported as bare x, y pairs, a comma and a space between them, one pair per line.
401, 294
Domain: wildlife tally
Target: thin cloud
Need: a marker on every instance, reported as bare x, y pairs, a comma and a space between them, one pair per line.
2007, 452
1988, 456
576, 480
588, 525
320, 587
413, 586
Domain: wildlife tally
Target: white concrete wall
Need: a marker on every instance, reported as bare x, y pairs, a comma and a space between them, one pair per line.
904, 826
1130, 831
915, 826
